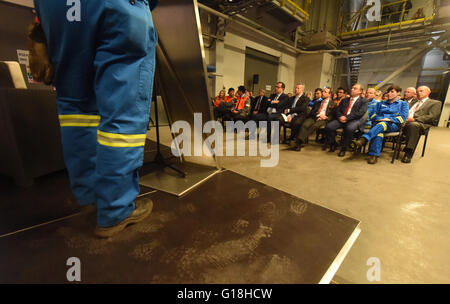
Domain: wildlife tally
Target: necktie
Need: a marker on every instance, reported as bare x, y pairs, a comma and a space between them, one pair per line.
321, 107
415, 108
258, 104
295, 102
349, 106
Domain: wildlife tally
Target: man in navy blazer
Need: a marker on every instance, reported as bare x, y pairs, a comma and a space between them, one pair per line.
350, 114
278, 102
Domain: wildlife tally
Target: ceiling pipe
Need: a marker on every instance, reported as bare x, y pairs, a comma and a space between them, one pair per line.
288, 46
377, 52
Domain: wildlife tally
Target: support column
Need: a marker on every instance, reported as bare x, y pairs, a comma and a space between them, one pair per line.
445, 110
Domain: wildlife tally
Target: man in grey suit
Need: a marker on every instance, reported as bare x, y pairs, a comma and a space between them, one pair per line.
423, 114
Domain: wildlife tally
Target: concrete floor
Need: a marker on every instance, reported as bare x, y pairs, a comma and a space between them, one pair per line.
405, 219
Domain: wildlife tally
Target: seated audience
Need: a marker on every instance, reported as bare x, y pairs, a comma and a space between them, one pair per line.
297, 110
277, 103
370, 95
219, 102
340, 95
349, 115
259, 107
386, 118
317, 97
423, 114
378, 95
230, 98
318, 117
219, 98
410, 96
241, 110
250, 95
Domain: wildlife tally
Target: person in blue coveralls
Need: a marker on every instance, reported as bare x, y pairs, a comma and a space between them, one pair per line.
385, 119
370, 95
102, 54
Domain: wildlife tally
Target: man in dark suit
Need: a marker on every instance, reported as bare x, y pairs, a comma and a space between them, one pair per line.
277, 103
259, 107
423, 114
297, 110
321, 113
350, 117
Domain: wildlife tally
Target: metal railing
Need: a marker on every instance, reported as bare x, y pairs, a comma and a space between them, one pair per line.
297, 6
393, 14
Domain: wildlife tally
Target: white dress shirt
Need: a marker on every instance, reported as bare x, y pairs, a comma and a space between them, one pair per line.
416, 107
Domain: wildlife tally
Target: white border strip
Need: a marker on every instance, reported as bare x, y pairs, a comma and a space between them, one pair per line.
326, 279
40, 225
200, 182
27, 3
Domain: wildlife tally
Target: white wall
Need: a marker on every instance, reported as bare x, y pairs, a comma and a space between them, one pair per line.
314, 70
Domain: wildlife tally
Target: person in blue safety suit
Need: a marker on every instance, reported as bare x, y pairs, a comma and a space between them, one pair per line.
370, 95
385, 119
103, 59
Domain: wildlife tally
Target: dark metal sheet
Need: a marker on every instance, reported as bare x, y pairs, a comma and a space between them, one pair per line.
170, 181
181, 76
228, 230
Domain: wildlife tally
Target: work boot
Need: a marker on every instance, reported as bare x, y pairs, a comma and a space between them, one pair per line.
143, 209
342, 152
324, 146
332, 148
361, 142
372, 159
407, 157
298, 145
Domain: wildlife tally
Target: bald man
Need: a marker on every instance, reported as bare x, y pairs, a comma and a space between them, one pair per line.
410, 96
423, 114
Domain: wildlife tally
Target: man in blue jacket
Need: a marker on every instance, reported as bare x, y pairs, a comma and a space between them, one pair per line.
103, 58
385, 119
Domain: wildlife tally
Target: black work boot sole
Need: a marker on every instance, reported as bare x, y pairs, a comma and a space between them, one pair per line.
342, 153
372, 160
143, 209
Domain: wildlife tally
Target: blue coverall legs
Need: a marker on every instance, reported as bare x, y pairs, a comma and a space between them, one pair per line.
376, 135
103, 56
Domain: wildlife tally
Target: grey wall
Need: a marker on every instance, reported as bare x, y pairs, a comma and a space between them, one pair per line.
265, 65
375, 68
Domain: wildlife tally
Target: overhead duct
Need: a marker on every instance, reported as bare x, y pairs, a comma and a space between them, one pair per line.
261, 33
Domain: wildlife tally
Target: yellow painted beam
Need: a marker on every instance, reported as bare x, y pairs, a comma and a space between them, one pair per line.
386, 26
296, 6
